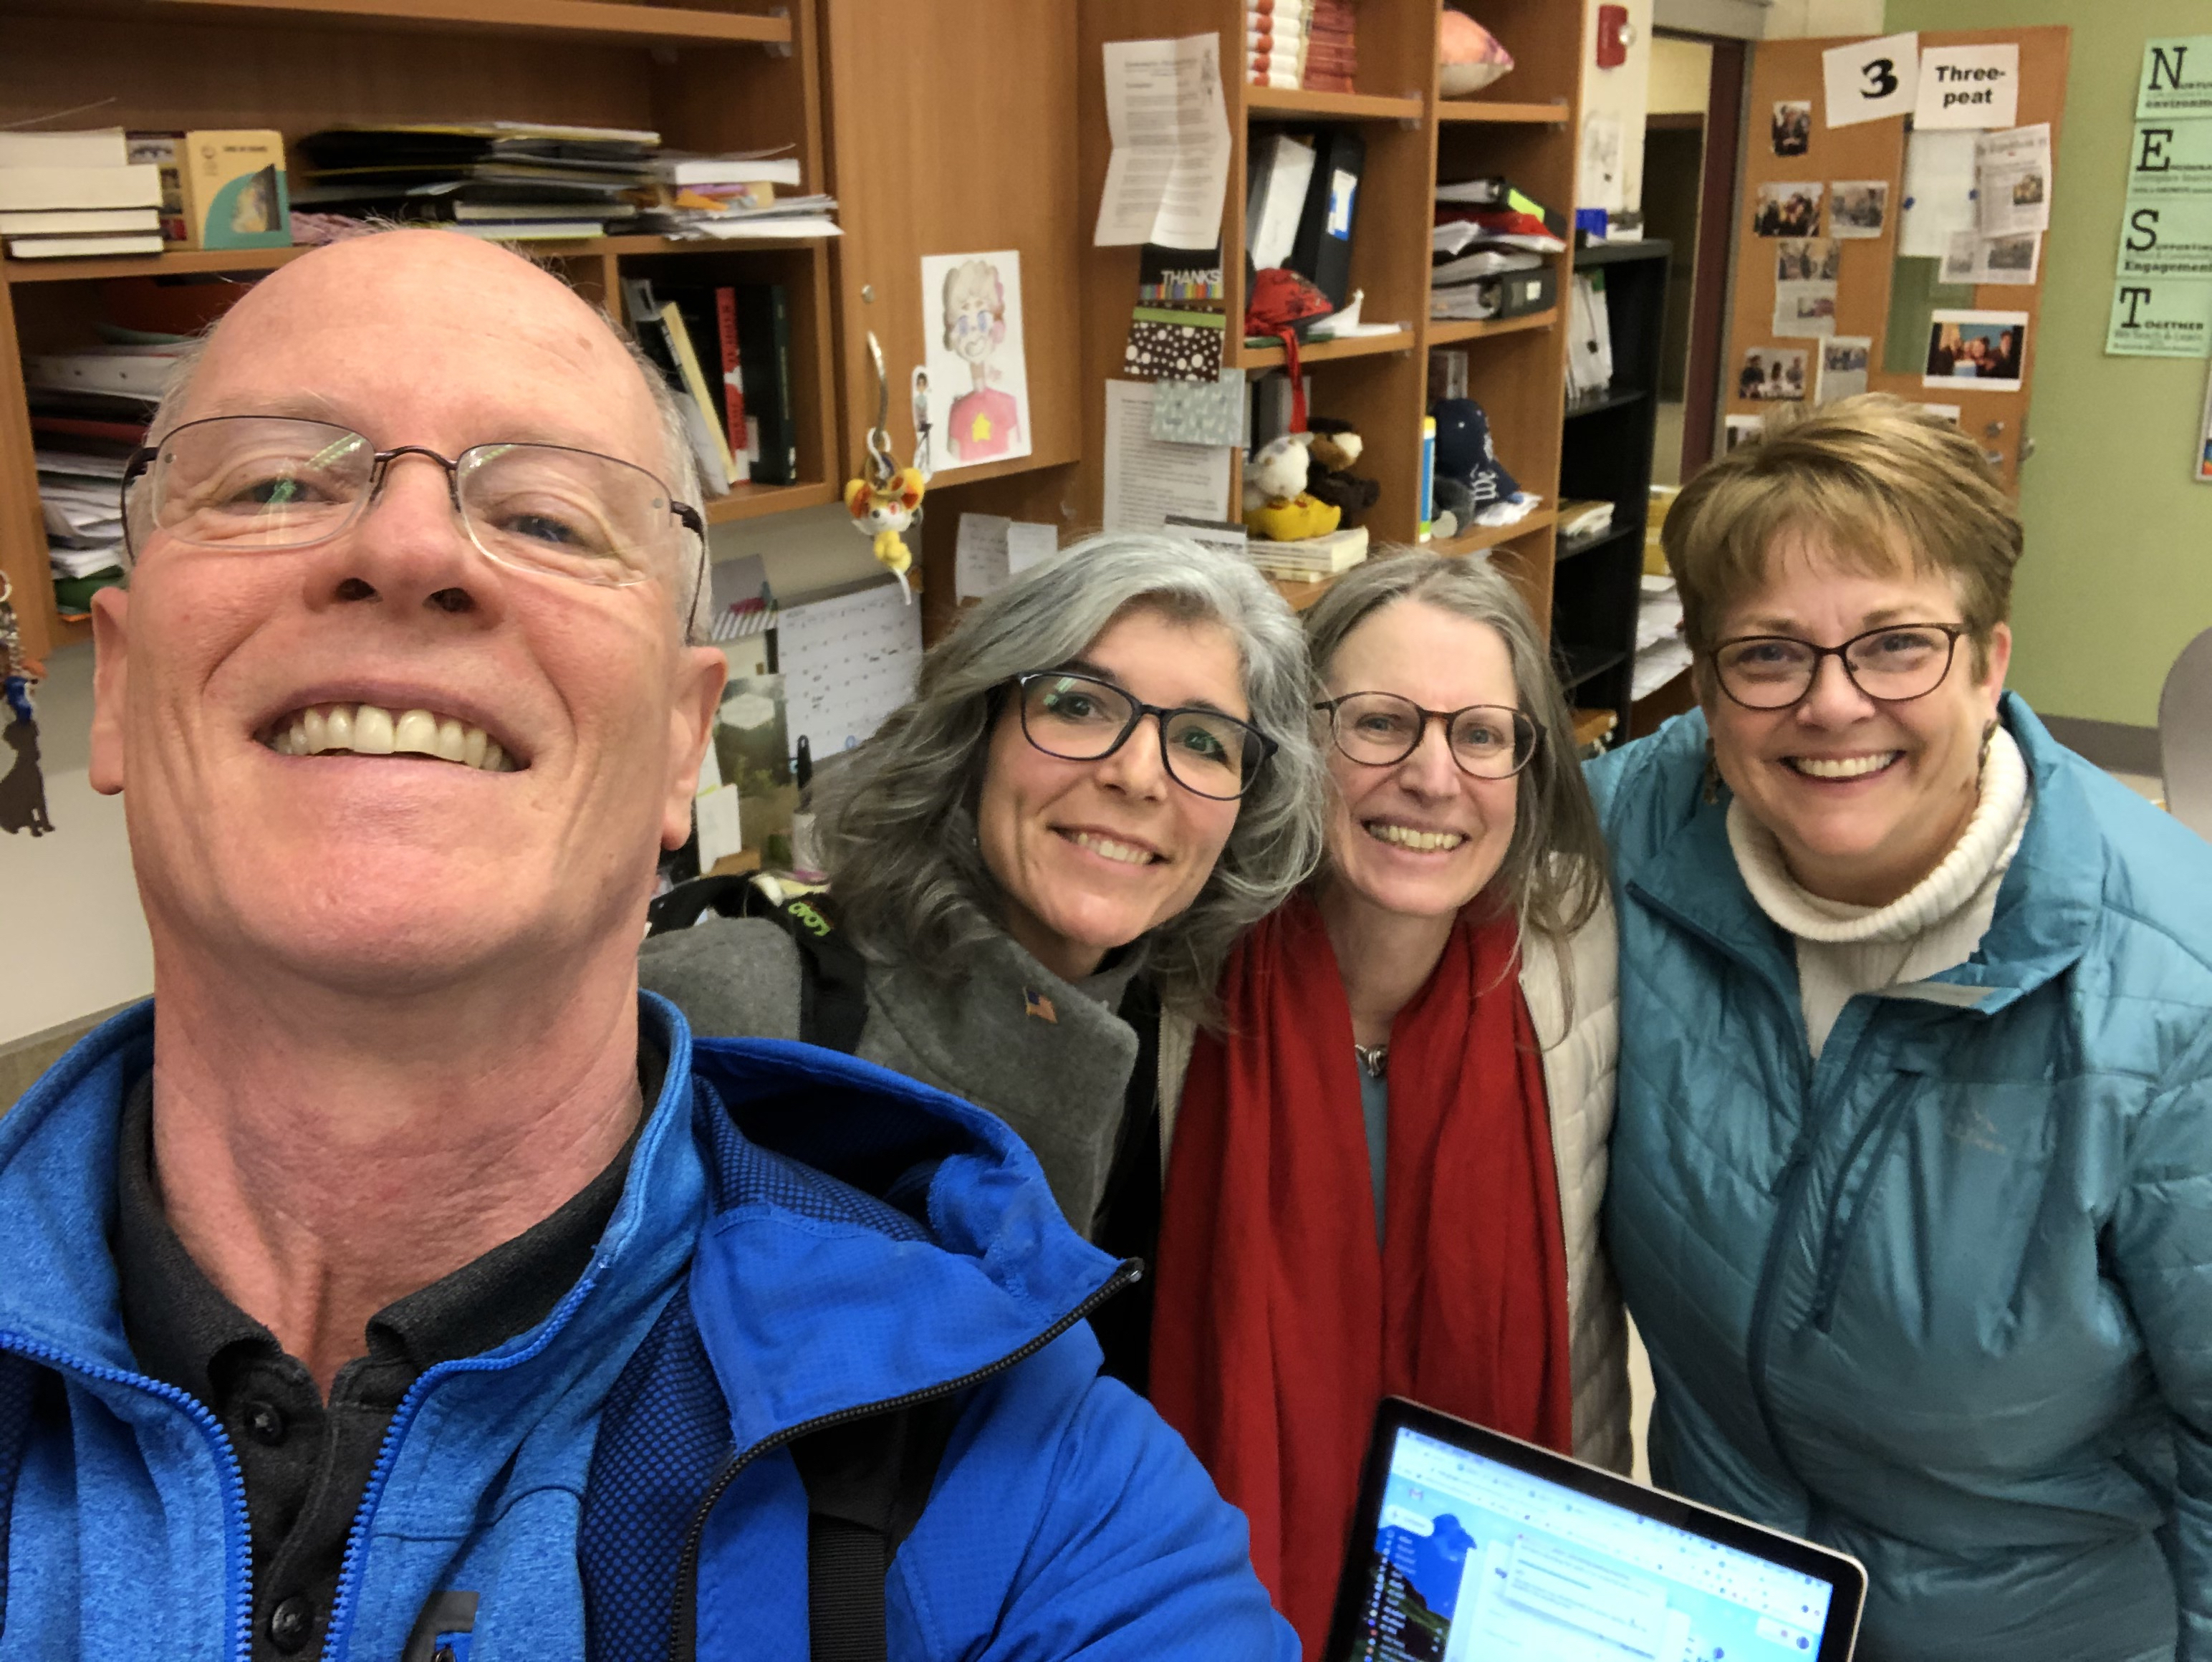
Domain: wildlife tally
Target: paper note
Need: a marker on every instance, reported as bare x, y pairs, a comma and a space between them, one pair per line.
2160, 318
715, 812
2012, 169
1147, 480
979, 556
1968, 87
848, 662
2166, 237
1939, 193
1975, 260
1870, 79
2170, 157
2177, 77
1030, 544
1169, 127
1843, 362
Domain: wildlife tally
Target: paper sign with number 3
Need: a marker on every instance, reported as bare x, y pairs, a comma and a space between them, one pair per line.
1870, 79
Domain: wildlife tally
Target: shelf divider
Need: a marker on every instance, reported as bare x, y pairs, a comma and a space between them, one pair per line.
598, 18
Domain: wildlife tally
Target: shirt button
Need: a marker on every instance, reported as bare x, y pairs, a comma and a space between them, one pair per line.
292, 1623
264, 1423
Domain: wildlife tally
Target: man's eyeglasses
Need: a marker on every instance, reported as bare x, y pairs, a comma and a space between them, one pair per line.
1380, 729
1898, 662
255, 483
1080, 718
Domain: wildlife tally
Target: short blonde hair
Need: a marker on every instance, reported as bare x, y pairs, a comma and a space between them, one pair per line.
1885, 486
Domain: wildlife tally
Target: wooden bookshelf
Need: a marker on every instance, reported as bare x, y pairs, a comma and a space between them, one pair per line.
1451, 111
1295, 103
1538, 521
707, 77
1250, 356
1447, 332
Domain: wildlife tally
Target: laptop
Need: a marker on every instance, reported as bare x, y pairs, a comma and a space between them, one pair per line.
1469, 1546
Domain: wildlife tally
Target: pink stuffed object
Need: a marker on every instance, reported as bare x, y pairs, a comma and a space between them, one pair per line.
1469, 54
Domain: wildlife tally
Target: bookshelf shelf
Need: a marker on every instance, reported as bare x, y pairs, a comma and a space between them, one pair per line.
268, 259
752, 502
1275, 103
1323, 351
1446, 334
601, 20
1453, 111
1490, 536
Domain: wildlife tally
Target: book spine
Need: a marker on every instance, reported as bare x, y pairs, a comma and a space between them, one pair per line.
787, 426
1424, 509
733, 385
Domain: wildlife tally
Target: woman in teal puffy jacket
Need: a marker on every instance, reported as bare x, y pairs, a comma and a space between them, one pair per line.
1911, 1191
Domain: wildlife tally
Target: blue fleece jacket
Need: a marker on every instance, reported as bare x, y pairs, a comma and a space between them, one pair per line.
1065, 1516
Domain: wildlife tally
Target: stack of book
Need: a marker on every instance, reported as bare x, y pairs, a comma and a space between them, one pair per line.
76, 195
1485, 232
508, 180
726, 350
88, 410
744, 194
1332, 60
1275, 42
1310, 559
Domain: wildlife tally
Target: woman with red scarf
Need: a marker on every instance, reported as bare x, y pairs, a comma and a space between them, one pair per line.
1384, 1172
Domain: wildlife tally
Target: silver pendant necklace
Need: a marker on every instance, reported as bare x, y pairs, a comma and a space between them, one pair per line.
1373, 1059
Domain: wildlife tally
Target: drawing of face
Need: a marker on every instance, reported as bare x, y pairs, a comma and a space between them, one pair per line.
974, 310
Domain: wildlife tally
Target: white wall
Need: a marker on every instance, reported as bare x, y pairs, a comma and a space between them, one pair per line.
68, 910
1681, 76
1793, 20
1616, 95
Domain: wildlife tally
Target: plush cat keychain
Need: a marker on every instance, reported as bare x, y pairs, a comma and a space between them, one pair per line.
887, 499
23, 787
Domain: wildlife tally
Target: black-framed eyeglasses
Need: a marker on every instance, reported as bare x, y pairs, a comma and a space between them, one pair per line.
1893, 663
251, 484
1080, 718
1380, 729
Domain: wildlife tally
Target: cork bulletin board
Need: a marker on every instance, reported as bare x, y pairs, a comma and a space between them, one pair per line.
1827, 263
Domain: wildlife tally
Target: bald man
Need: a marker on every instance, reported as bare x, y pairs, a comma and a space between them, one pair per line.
399, 1283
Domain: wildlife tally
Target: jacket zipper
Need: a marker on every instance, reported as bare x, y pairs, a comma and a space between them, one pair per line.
683, 1637
236, 1530
1844, 1227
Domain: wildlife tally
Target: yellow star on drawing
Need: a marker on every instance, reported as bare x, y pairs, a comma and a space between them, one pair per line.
981, 430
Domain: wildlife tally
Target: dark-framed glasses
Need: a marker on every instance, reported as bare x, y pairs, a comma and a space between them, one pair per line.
257, 483
1892, 664
1080, 718
1380, 729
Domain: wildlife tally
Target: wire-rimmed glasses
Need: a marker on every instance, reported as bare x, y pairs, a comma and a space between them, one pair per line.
1080, 718
1892, 664
1382, 729
257, 483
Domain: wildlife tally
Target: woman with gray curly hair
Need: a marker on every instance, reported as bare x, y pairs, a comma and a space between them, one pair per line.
1105, 776
1386, 1169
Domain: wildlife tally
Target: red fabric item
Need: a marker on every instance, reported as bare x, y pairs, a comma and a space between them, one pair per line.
1281, 300
1279, 1326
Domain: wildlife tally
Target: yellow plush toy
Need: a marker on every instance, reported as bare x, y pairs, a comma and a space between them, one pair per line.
883, 511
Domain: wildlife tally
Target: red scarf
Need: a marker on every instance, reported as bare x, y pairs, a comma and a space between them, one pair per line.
1279, 1326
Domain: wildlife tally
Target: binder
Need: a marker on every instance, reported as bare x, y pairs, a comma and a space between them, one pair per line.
1321, 252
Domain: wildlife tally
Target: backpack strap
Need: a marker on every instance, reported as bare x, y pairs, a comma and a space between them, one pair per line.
866, 1483
833, 985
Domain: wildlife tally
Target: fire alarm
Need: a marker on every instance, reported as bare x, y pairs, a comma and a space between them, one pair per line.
1615, 34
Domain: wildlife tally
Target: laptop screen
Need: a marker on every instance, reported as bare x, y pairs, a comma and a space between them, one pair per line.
1474, 1558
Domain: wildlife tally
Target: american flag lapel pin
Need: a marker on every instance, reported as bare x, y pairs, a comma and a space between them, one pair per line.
1039, 1005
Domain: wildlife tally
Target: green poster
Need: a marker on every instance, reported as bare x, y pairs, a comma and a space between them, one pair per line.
2177, 77
2166, 236
2172, 157
2160, 318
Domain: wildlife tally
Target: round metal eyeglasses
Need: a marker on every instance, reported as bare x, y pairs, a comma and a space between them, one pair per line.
1892, 665
251, 484
1380, 729
1080, 718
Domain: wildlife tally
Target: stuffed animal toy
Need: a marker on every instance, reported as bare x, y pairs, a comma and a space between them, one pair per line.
881, 512
1472, 484
1468, 56
1277, 507
1335, 448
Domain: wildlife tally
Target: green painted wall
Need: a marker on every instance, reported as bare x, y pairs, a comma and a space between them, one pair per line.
2118, 577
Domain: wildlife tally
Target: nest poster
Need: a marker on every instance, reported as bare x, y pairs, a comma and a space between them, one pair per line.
979, 389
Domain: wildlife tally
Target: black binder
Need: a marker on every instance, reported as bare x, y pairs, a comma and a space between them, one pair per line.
1321, 252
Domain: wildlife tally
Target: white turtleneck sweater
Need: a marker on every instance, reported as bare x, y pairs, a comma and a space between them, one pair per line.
1844, 950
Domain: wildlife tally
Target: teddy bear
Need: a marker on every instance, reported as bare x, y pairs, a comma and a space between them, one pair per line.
1336, 447
1277, 508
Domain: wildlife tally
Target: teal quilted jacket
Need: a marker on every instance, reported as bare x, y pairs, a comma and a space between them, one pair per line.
1944, 1299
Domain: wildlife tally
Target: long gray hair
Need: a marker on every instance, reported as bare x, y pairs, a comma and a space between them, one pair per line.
898, 816
1554, 874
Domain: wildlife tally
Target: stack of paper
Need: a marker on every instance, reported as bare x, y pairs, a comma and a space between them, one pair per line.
1662, 654
1580, 520
1309, 559
76, 195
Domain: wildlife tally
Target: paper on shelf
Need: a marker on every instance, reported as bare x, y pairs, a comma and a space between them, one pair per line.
979, 556
1657, 666
1147, 480
1169, 127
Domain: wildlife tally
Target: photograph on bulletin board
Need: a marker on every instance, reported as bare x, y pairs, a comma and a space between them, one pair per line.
1788, 209
1792, 128
971, 307
1986, 348
1859, 208
1774, 374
